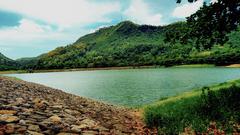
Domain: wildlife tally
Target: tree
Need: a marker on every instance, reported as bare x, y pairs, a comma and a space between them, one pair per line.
211, 23
191, 1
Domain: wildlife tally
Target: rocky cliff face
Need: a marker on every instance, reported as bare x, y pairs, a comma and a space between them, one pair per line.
28, 108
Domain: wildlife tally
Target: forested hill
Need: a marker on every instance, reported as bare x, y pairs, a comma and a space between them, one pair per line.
129, 44
126, 44
6, 63
211, 35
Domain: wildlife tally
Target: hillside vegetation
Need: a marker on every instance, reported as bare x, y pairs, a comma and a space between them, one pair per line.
129, 44
209, 36
213, 110
6, 63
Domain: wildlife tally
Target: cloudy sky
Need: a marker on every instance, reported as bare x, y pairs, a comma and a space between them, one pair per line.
31, 27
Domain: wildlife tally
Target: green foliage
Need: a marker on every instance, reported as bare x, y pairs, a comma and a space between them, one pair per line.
6, 63
27, 63
191, 1
211, 23
129, 44
126, 44
208, 37
234, 39
203, 39
177, 32
197, 111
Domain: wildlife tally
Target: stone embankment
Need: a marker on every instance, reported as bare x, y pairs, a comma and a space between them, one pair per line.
33, 109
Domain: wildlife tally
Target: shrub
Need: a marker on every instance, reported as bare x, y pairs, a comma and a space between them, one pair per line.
220, 106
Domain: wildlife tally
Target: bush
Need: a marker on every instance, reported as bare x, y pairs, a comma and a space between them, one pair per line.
197, 112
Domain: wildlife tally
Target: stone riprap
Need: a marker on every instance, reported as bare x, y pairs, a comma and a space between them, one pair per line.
33, 109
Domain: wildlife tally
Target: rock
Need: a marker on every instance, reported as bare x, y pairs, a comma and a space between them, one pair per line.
27, 105
34, 128
8, 119
76, 129
55, 119
88, 122
67, 134
101, 129
57, 107
56, 128
36, 100
39, 113
121, 128
40, 104
22, 122
83, 126
19, 101
21, 130
48, 132
38, 117
89, 133
72, 112
8, 112
27, 110
34, 133
9, 129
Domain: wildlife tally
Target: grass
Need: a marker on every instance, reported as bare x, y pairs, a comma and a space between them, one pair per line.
11, 77
199, 110
13, 72
106, 68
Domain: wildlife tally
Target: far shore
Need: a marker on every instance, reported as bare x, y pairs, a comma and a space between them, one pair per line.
234, 66
118, 68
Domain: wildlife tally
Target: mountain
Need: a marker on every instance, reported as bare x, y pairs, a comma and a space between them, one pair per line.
130, 44
126, 44
7, 63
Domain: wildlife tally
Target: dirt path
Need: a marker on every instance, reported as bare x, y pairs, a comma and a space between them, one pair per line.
28, 108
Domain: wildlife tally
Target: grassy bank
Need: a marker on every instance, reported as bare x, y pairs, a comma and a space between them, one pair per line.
207, 110
76, 69
114, 68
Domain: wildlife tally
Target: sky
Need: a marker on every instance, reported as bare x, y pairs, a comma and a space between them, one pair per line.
29, 28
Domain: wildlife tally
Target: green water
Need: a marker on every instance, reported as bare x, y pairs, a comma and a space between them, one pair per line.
132, 87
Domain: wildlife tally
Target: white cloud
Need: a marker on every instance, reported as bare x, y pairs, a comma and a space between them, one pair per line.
34, 38
63, 13
29, 26
30, 35
185, 10
98, 28
140, 13
69, 16
27, 30
214, 1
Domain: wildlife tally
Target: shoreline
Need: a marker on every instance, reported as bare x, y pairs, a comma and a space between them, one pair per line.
186, 108
33, 108
117, 68
77, 69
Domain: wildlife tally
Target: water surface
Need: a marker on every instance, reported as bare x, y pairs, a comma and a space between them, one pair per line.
132, 87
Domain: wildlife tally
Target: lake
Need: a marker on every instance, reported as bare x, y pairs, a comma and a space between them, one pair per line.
132, 87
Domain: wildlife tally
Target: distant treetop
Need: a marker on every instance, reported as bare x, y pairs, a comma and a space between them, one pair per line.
179, 1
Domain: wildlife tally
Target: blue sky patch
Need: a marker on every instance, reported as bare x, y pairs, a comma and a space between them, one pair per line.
9, 19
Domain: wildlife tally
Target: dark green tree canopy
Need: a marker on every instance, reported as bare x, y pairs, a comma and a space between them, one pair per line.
209, 25
214, 21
